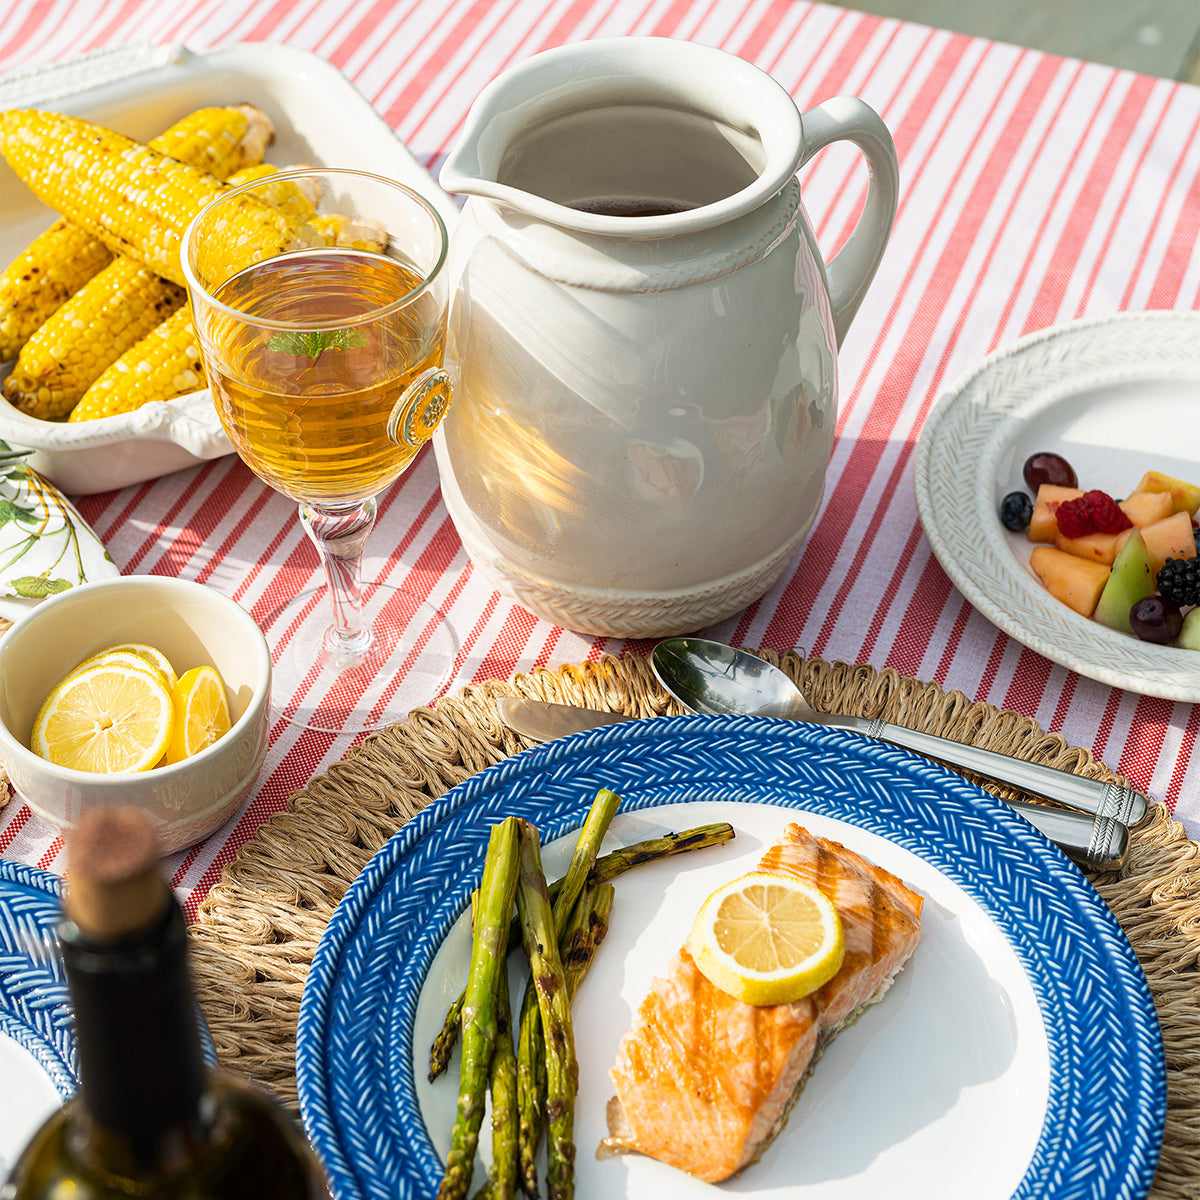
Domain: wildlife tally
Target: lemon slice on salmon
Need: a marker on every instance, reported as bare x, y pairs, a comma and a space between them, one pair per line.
767, 939
201, 712
106, 717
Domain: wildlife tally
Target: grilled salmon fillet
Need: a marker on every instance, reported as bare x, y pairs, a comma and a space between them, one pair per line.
704, 1081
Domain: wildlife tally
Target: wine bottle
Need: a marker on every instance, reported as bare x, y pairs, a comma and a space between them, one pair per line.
149, 1119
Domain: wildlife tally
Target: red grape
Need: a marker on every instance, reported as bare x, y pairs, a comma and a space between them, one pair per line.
1045, 467
1156, 619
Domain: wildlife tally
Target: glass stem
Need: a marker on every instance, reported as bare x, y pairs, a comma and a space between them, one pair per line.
339, 535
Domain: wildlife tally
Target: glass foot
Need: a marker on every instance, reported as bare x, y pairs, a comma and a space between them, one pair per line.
409, 661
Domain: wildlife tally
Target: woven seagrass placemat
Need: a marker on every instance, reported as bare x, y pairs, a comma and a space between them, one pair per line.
257, 930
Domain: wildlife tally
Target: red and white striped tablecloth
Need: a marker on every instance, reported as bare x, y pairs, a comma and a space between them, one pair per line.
1035, 190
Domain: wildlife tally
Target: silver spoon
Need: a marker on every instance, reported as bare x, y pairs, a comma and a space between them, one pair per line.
711, 678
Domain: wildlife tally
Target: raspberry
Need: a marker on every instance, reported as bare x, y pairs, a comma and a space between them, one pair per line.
1074, 518
1093, 512
1179, 580
1106, 515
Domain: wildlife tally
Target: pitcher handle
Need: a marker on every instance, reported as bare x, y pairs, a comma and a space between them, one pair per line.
852, 268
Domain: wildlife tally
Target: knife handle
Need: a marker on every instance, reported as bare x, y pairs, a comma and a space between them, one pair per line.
1104, 800
1098, 842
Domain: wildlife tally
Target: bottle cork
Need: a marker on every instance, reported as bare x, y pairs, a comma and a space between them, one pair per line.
115, 885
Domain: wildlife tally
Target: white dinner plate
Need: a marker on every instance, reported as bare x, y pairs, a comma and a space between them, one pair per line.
1116, 396
1017, 1055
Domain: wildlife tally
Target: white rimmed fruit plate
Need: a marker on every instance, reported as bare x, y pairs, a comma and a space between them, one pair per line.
319, 117
1115, 396
987, 1071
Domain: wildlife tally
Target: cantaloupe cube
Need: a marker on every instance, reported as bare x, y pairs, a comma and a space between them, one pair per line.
1043, 525
1075, 581
1096, 547
1185, 497
1144, 508
1170, 538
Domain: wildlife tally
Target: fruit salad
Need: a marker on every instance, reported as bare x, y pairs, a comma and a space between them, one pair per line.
1130, 564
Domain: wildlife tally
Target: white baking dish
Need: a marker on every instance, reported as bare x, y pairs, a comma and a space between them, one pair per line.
319, 117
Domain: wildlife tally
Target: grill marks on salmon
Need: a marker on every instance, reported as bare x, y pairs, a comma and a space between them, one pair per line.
704, 1082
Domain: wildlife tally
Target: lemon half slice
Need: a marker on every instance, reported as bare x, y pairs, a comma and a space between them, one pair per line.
767, 939
106, 717
201, 712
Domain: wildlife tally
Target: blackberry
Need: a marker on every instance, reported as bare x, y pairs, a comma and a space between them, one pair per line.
1015, 510
1179, 580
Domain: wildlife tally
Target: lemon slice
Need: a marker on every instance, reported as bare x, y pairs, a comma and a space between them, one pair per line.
151, 654
128, 657
106, 717
767, 939
201, 712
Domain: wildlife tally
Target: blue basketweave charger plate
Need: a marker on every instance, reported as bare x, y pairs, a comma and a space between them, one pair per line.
1017, 1055
35, 1009
38, 1062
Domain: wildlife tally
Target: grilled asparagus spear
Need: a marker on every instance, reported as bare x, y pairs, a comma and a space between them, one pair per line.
608, 867
479, 1022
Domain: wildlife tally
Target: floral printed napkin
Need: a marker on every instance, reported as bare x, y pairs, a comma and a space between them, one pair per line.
45, 545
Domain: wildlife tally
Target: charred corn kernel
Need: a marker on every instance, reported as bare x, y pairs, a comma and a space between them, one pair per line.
55, 265
131, 197
63, 258
107, 316
164, 364
353, 233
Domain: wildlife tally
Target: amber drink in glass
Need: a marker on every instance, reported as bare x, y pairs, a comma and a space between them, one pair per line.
325, 363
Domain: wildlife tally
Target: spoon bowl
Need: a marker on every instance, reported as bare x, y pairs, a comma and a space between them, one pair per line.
717, 680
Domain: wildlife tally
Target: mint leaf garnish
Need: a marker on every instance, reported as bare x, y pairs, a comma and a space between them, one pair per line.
313, 344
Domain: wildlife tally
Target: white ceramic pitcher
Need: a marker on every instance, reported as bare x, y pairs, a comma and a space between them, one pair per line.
643, 332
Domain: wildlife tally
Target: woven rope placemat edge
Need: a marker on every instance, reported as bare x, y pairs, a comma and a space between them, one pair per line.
258, 928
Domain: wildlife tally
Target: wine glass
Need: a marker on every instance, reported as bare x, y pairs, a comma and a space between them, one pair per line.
319, 300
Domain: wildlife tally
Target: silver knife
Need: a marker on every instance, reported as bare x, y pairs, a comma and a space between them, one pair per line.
1098, 841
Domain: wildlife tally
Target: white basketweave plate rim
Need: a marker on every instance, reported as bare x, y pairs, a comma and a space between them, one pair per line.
1068, 385
131, 80
1001, 901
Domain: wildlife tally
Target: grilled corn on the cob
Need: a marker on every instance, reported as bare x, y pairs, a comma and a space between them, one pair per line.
132, 198
93, 329
353, 233
63, 258
55, 265
117, 308
296, 197
164, 364
300, 198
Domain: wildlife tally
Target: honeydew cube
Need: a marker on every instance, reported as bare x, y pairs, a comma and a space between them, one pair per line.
1189, 635
1077, 582
1131, 580
1043, 525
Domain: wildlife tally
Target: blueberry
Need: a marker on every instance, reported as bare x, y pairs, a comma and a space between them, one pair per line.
1015, 510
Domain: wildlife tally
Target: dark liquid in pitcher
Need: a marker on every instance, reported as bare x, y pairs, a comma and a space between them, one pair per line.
630, 206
